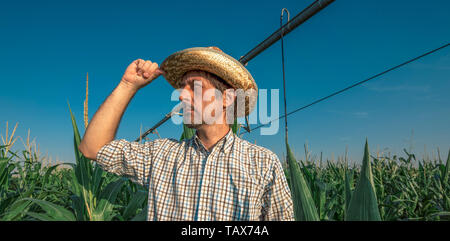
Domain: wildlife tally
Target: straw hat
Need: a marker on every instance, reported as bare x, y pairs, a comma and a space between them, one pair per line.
213, 60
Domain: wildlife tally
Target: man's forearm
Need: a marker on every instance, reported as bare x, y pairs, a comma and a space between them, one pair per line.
103, 126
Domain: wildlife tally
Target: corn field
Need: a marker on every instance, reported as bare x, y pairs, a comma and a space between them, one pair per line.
386, 188
382, 188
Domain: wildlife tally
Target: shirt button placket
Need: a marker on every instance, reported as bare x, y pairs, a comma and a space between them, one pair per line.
205, 185
201, 206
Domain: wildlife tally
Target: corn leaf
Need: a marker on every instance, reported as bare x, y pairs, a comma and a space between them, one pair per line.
135, 203
187, 133
363, 204
79, 207
304, 208
5, 173
107, 200
348, 187
41, 216
446, 170
142, 215
55, 212
16, 210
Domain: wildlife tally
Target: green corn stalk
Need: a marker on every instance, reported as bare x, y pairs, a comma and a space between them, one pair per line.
83, 201
317, 188
304, 208
12, 204
6, 168
363, 204
446, 170
187, 133
91, 201
348, 187
319, 194
235, 127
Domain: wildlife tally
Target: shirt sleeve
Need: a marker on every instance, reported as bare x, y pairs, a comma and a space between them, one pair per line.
128, 159
277, 200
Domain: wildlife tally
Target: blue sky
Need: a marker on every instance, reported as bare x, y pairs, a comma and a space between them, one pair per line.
47, 47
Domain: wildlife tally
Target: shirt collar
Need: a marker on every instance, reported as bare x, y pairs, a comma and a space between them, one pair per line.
224, 143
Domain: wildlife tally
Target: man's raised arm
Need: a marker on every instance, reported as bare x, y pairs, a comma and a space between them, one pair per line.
103, 126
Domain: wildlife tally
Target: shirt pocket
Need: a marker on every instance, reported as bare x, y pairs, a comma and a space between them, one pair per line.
244, 196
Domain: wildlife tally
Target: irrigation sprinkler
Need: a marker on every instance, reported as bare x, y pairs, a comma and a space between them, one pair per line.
296, 21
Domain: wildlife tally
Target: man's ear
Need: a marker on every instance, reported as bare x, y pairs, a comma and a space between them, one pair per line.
229, 96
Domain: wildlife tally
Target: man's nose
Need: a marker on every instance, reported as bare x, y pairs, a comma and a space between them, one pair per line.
184, 95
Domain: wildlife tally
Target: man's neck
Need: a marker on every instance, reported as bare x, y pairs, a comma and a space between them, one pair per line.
209, 135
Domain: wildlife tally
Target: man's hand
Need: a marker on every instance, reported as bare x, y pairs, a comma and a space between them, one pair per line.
141, 73
103, 126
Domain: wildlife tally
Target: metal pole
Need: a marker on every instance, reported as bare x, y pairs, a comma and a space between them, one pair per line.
284, 77
300, 18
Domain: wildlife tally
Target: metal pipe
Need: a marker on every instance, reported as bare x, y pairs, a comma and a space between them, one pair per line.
166, 118
300, 18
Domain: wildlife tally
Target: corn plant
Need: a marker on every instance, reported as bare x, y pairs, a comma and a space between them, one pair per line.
95, 192
26, 180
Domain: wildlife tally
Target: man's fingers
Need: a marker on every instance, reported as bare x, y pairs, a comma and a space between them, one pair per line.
140, 71
146, 66
137, 62
141, 64
153, 67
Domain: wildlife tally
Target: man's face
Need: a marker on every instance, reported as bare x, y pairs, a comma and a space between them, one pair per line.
199, 96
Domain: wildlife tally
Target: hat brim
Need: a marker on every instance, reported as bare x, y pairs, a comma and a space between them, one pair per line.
216, 62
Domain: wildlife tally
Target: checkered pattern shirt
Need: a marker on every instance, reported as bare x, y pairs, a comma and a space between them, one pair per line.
236, 180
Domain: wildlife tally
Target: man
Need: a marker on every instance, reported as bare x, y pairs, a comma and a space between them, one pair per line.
214, 175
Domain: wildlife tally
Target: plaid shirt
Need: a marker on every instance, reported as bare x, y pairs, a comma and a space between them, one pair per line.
236, 180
